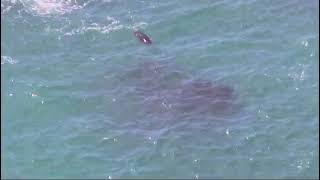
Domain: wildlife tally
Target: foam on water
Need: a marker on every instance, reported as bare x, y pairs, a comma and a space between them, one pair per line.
7, 59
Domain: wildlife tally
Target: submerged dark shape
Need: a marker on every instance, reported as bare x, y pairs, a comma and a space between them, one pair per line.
203, 96
163, 90
142, 37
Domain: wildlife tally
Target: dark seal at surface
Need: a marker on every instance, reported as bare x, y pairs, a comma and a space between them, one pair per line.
142, 37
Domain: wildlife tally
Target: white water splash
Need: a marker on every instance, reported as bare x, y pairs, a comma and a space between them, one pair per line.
44, 7
7, 59
298, 73
40, 7
47, 7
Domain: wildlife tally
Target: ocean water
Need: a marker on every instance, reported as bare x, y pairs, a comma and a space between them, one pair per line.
78, 99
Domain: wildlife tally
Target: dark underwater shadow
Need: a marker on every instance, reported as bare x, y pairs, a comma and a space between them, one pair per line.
162, 94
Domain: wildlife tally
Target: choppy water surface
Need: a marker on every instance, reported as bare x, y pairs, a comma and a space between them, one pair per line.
228, 89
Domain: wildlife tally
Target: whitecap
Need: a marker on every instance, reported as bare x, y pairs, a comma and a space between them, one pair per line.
50, 7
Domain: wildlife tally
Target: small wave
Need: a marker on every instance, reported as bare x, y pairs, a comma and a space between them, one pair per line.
114, 25
7, 59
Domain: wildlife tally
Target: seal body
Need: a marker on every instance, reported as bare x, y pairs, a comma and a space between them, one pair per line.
142, 37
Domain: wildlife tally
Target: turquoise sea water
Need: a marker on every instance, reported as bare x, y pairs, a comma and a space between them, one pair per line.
71, 105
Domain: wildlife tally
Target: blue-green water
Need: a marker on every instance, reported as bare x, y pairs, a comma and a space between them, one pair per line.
70, 108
